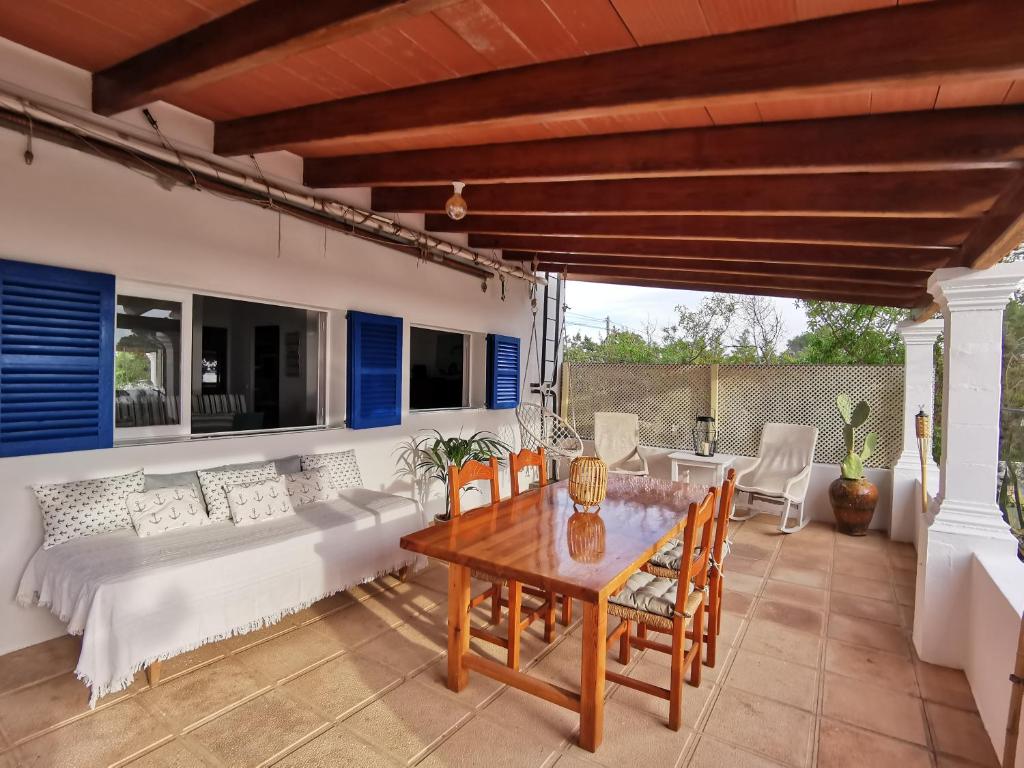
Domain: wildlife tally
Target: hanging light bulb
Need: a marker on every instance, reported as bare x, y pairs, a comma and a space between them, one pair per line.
456, 206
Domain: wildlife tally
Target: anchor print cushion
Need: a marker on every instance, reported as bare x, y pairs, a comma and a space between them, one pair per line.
214, 481
309, 486
252, 503
86, 507
166, 509
341, 468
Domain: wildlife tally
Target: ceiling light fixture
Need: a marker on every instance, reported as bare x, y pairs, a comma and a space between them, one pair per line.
456, 206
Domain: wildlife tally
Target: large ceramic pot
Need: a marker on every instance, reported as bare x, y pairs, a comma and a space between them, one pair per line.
853, 504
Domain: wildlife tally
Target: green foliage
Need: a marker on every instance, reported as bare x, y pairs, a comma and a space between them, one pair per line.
854, 417
434, 453
850, 334
130, 368
1010, 504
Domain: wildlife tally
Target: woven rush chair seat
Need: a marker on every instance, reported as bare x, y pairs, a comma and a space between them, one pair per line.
652, 600
490, 578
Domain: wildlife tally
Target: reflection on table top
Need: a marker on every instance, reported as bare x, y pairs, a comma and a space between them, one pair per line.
539, 538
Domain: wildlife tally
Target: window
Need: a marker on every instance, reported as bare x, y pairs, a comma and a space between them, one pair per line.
255, 366
438, 366
147, 362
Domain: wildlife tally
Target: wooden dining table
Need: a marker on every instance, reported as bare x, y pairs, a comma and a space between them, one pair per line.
540, 539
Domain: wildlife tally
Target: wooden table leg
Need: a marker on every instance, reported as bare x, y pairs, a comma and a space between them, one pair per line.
595, 649
458, 625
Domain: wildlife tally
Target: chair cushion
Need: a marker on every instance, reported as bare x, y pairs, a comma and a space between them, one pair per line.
654, 594
671, 554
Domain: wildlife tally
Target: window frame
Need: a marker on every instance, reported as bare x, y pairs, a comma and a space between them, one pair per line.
186, 296
467, 368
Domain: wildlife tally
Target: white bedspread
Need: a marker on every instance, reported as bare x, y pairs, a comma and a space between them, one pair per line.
139, 600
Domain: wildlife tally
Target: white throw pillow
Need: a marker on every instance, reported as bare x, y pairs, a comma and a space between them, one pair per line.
258, 502
309, 486
341, 467
165, 509
214, 481
86, 507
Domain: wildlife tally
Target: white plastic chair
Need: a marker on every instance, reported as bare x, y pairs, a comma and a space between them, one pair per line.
782, 472
617, 443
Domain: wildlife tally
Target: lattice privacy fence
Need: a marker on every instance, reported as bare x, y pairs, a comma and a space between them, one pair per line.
668, 397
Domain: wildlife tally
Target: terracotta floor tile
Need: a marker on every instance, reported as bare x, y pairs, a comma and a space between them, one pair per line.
288, 655
173, 754
875, 708
651, 669
340, 686
873, 540
771, 639
237, 643
905, 576
543, 722
888, 670
190, 660
774, 678
767, 727
711, 753
324, 607
905, 593
408, 648
786, 592
407, 720
865, 607
732, 626
630, 739
873, 588
792, 616
944, 685
845, 565
806, 577
334, 748
291, 724
189, 699
352, 626
35, 708
811, 560
875, 557
743, 582
115, 733
748, 566
39, 662
872, 634
755, 550
480, 689
961, 733
737, 602
484, 741
434, 576
843, 746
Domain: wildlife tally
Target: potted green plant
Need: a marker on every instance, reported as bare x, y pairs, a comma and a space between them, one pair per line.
435, 453
853, 496
1011, 505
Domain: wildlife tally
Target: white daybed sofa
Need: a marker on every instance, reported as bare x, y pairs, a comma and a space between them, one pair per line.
139, 600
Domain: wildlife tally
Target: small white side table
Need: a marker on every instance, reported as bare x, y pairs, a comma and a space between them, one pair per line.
684, 461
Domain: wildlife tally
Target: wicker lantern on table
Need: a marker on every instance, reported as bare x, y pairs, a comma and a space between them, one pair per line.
588, 482
586, 535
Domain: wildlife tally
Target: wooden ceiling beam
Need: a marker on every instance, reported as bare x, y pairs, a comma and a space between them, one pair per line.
900, 46
923, 141
913, 233
562, 248
259, 33
909, 300
999, 232
936, 193
886, 278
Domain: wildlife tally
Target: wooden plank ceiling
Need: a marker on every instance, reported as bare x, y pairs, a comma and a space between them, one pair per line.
836, 149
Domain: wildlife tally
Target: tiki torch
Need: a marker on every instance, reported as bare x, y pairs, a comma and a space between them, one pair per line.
922, 426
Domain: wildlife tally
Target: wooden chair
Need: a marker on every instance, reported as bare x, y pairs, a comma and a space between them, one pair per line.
670, 606
458, 478
666, 563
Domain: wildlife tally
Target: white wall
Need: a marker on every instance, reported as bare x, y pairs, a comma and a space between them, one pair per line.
70, 209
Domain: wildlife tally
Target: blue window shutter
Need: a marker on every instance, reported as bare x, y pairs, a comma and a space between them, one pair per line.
56, 359
502, 371
374, 396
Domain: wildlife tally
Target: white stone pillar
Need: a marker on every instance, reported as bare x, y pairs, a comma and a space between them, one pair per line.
967, 518
918, 393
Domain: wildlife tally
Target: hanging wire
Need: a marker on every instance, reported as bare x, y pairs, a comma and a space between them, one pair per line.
29, 155
170, 147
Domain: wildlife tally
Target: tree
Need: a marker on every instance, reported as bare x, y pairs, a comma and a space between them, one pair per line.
130, 368
849, 334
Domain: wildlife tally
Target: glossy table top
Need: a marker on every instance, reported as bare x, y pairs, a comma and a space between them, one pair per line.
540, 539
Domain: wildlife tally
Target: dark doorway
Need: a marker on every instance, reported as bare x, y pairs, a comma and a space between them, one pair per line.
266, 373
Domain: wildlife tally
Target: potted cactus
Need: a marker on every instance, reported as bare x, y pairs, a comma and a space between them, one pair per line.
854, 497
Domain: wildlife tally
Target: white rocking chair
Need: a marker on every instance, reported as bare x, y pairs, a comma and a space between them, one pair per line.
617, 443
781, 474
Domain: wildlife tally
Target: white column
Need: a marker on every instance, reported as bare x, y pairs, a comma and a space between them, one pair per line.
918, 393
967, 519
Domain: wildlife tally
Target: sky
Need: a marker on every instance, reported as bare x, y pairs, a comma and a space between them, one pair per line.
632, 308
